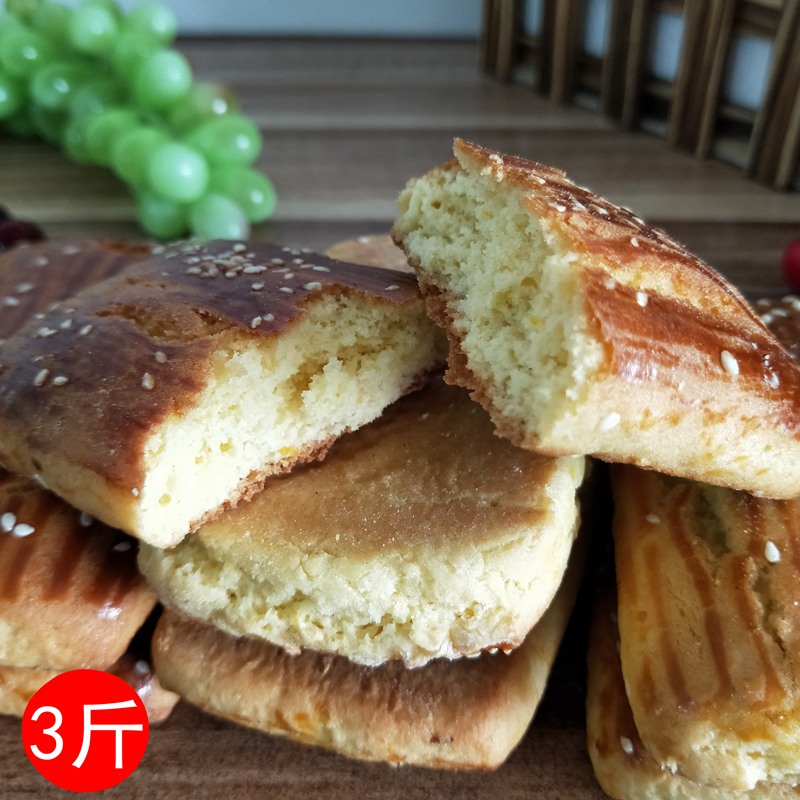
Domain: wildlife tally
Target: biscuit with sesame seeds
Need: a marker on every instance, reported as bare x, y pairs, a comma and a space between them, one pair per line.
19, 684
70, 593
623, 766
155, 444
565, 312
709, 628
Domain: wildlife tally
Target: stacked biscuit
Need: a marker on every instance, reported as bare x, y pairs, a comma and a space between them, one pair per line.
218, 401
70, 592
580, 329
347, 566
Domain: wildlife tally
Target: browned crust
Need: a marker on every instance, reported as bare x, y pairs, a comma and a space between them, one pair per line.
19, 684
70, 592
710, 634
623, 766
689, 367
33, 277
610, 236
463, 714
185, 302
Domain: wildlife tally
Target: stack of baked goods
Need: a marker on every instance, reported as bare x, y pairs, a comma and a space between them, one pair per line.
582, 330
71, 595
198, 402
356, 555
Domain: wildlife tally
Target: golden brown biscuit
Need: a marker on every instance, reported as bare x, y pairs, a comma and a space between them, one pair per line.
422, 535
623, 766
19, 684
583, 330
709, 621
70, 593
34, 276
465, 714
156, 397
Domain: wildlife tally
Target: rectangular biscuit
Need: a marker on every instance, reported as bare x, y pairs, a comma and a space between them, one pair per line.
157, 397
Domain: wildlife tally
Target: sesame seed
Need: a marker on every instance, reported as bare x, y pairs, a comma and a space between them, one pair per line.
771, 553
24, 288
634, 241
320, 269
642, 298
729, 363
41, 261
239, 247
22, 529
122, 547
278, 262
66, 325
601, 210
626, 744
59, 380
286, 290
135, 492
653, 519
391, 288
85, 520
773, 380
148, 382
85, 329
312, 286
767, 318
11, 302
161, 357
193, 271
796, 304
288, 276
191, 260
8, 521
558, 206
611, 421
256, 321
780, 312
269, 318
41, 377
70, 250
297, 261
257, 287
254, 269
44, 332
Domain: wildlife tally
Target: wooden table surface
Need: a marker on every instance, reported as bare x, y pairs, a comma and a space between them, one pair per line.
345, 124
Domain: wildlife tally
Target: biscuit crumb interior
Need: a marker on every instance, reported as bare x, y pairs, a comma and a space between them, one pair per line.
273, 401
513, 289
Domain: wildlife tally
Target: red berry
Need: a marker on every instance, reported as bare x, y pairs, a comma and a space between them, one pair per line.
791, 265
13, 231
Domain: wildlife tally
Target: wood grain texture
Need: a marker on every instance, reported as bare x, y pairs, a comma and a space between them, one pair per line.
346, 123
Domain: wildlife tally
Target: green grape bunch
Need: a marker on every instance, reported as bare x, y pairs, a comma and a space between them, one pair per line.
108, 88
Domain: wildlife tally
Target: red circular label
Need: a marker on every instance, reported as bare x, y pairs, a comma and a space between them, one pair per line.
85, 730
